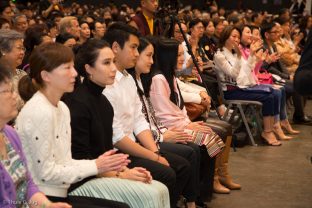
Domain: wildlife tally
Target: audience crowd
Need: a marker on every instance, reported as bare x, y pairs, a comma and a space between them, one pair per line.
114, 106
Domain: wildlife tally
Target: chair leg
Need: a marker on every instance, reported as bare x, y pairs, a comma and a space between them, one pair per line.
246, 125
259, 123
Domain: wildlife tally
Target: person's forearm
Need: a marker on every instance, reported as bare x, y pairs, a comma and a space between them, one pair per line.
46, 12
147, 140
128, 146
109, 174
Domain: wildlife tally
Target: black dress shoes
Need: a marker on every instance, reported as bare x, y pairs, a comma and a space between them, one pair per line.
302, 120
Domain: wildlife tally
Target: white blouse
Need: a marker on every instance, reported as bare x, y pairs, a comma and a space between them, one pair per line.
233, 70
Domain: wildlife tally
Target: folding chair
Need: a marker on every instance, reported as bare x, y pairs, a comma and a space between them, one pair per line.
239, 108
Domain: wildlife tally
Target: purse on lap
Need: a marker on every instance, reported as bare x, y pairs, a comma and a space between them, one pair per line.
265, 77
212, 141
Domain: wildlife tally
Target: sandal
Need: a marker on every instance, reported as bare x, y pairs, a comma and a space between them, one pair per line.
280, 134
270, 141
288, 128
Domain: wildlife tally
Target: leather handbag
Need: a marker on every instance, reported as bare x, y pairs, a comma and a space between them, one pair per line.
265, 77
194, 110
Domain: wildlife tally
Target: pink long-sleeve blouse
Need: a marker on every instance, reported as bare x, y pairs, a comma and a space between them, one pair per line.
166, 111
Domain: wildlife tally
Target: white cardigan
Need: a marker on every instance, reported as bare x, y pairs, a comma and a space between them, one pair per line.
45, 133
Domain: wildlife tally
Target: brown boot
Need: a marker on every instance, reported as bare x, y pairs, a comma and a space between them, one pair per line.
217, 186
226, 180
224, 176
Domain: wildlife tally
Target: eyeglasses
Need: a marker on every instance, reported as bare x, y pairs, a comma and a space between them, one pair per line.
199, 27
21, 48
11, 91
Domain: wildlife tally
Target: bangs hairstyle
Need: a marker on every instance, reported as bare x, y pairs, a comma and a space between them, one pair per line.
226, 33
45, 57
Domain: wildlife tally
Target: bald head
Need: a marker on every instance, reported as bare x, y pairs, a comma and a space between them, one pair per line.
149, 6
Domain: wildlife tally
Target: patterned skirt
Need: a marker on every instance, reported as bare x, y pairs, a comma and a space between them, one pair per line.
134, 193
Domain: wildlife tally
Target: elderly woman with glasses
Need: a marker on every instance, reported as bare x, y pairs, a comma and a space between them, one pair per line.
13, 51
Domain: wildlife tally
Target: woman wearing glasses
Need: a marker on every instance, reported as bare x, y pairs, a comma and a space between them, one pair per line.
13, 51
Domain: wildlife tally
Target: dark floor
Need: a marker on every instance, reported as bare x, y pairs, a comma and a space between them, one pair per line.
272, 177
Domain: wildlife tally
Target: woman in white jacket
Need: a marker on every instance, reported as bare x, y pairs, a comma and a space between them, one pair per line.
238, 81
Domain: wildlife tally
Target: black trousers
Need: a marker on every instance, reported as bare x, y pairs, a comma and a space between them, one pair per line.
174, 177
190, 152
297, 100
90, 202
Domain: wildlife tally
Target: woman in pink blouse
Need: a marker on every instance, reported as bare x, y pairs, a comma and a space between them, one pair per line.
170, 110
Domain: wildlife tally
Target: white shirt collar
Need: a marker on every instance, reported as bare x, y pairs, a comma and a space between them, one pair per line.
120, 74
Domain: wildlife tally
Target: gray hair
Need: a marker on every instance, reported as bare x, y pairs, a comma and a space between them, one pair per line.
66, 23
17, 16
7, 39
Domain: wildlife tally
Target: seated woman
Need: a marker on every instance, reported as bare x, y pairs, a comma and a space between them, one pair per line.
92, 132
199, 46
16, 184
66, 39
166, 99
13, 51
175, 141
34, 35
234, 72
281, 119
44, 128
85, 32
288, 54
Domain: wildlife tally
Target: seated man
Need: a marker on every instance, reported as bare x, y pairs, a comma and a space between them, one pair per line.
132, 133
269, 34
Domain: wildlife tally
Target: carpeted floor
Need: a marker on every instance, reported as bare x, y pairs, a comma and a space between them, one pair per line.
272, 177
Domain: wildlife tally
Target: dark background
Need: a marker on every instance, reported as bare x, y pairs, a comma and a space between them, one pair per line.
228, 4
255, 5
